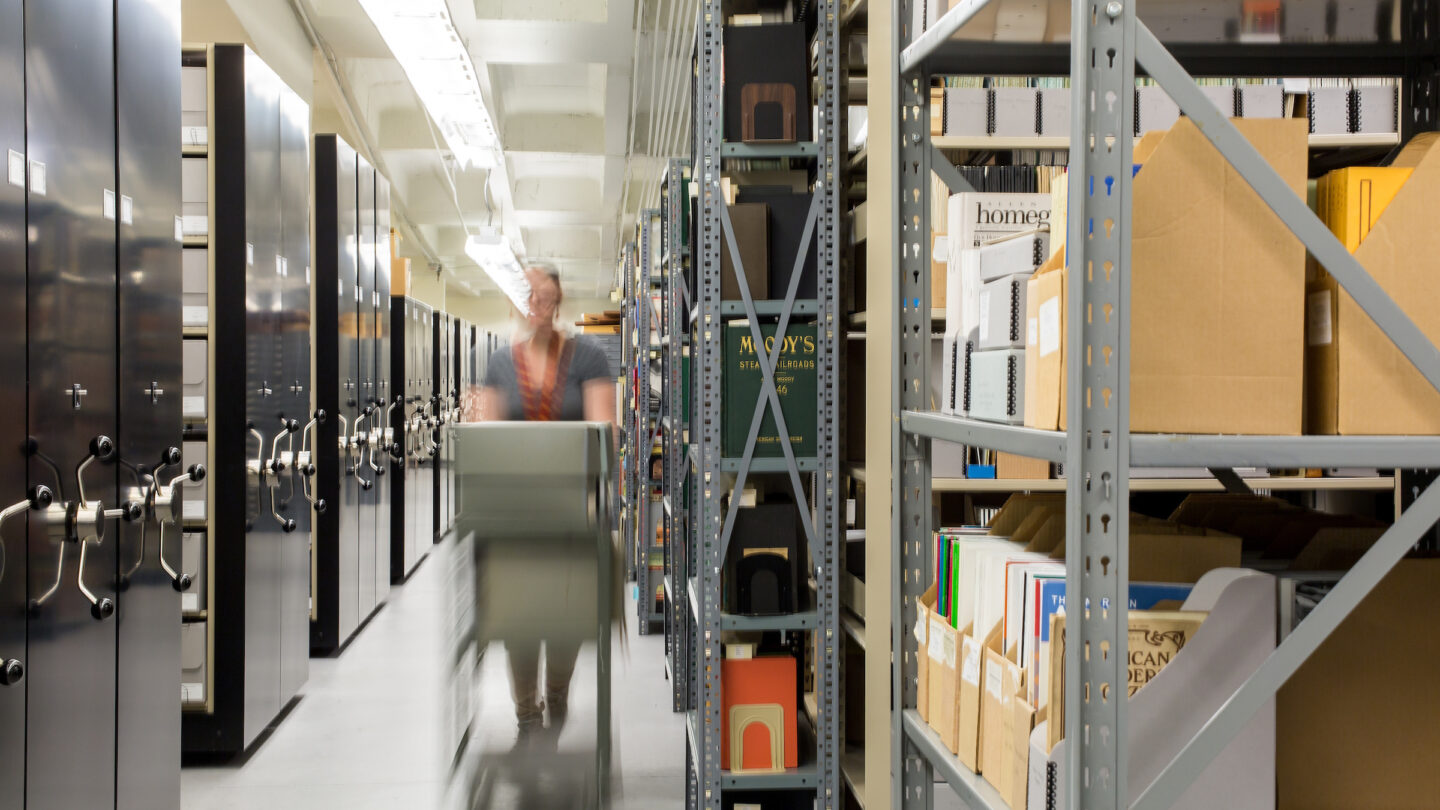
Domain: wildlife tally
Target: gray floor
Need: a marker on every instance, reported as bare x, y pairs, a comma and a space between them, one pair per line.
367, 731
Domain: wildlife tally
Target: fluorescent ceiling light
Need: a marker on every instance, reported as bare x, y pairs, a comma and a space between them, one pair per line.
497, 259
422, 36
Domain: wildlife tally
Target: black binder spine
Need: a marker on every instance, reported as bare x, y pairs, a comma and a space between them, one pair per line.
1039, 112
1052, 787
954, 369
1015, 310
1011, 409
969, 349
1037, 253
1353, 113
1310, 110
989, 112
1138, 133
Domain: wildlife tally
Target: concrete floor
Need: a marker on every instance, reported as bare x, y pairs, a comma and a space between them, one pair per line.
367, 731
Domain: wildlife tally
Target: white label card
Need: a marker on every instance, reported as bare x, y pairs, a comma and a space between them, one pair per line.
970, 671
1049, 327
195, 136
193, 406
920, 635
195, 225
1032, 331
249, 254
937, 630
189, 602
948, 645
108, 204
179, 229
193, 510
993, 681
127, 210
17, 169
1319, 330
37, 177
195, 316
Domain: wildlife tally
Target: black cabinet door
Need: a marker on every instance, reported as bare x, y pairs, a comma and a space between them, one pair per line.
147, 53
70, 113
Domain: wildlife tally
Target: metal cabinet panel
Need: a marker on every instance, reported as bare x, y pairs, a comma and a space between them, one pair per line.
264, 540
12, 431
293, 344
365, 318
70, 108
384, 483
147, 51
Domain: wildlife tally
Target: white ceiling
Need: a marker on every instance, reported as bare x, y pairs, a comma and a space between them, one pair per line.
589, 96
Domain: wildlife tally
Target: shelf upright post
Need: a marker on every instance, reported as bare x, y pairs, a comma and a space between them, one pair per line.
830, 137
677, 462
644, 440
1102, 68
912, 777
710, 119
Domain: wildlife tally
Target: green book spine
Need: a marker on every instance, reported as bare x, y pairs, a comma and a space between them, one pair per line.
795, 376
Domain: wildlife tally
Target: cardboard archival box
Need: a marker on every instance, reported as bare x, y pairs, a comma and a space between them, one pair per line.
1003, 684
1011, 466
1018, 507
923, 611
943, 661
1358, 382
972, 663
1351, 733
1217, 288
751, 223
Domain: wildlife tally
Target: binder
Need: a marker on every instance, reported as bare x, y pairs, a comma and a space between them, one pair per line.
1002, 313
995, 390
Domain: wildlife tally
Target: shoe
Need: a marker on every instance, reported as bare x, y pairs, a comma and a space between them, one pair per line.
528, 731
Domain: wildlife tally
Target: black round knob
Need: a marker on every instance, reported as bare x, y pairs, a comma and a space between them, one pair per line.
197, 472
292, 425
170, 457
320, 507
366, 485
103, 609
102, 447
320, 416
182, 583
11, 673
380, 471
133, 511
289, 525
308, 470
41, 497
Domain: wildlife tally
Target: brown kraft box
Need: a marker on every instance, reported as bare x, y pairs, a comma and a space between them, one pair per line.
1217, 293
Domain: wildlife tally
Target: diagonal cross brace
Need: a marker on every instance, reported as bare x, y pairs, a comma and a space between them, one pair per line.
767, 376
1297, 216
949, 175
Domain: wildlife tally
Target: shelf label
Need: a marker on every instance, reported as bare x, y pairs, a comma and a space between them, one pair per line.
37, 177
970, 672
249, 254
193, 406
195, 225
108, 204
195, 136
1050, 327
937, 631
17, 169
127, 210
179, 229
193, 510
189, 602
195, 316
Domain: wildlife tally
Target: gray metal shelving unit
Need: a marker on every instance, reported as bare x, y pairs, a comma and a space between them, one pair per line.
629, 350
675, 426
644, 417
1107, 45
814, 481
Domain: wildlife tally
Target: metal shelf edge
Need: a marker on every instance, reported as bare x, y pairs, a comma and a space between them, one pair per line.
974, 791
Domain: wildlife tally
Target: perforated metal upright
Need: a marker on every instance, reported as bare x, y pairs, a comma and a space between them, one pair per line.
814, 481
1107, 42
629, 349
675, 424
647, 417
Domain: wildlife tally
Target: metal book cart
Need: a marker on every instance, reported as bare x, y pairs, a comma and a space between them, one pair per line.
540, 536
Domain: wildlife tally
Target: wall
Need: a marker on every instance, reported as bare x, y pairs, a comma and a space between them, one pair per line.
267, 26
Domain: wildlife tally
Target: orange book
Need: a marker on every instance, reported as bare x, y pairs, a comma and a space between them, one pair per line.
761, 693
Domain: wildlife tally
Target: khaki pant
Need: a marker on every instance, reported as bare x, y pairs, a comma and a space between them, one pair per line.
560, 655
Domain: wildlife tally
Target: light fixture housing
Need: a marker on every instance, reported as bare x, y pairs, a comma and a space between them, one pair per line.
495, 256
423, 39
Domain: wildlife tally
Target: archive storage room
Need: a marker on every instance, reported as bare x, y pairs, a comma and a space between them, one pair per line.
648, 405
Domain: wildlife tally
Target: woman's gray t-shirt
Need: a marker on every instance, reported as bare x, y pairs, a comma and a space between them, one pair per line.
587, 362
